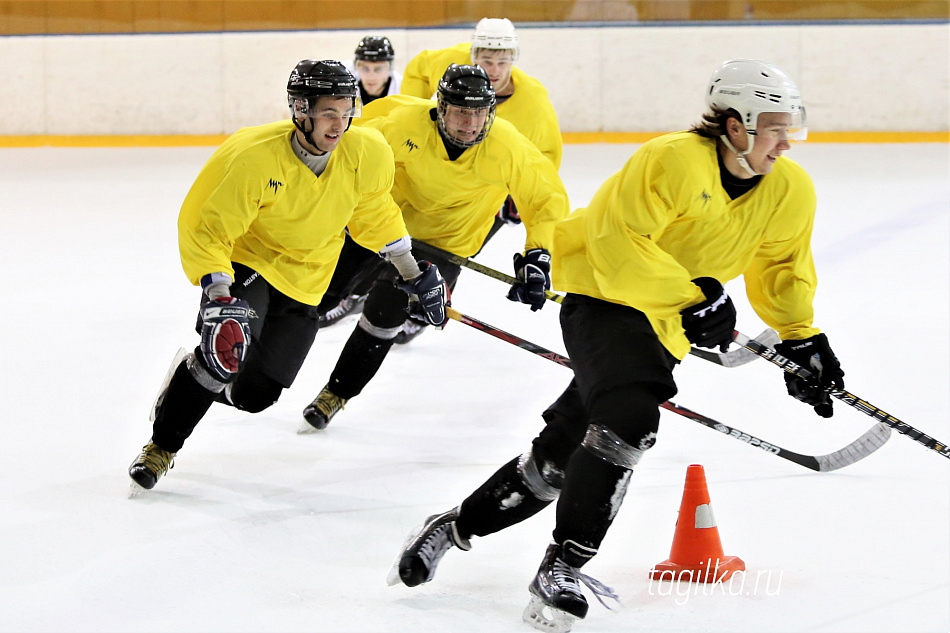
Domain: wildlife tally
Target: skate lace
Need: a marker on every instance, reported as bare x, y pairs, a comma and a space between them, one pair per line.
328, 403
157, 460
567, 577
435, 546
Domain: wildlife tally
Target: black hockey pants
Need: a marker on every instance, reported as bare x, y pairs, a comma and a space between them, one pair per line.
282, 332
622, 374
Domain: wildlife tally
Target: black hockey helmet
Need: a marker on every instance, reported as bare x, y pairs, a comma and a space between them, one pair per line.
311, 79
375, 48
327, 78
466, 86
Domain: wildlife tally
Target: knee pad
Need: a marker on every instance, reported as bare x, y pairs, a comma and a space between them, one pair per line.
623, 424
382, 333
608, 446
255, 395
384, 311
200, 373
541, 477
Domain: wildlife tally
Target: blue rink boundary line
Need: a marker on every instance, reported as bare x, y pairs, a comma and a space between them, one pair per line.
570, 138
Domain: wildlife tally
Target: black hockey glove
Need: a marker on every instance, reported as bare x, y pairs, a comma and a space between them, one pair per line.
225, 335
533, 270
710, 323
815, 355
509, 212
428, 295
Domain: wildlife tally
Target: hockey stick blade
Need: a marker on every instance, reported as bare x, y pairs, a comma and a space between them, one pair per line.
846, 397
856, 450
737, 357
733, 358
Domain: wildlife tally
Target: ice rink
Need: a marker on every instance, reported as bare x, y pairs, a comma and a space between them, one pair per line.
259, 529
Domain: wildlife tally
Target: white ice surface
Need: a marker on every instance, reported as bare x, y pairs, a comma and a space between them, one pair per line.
259, 529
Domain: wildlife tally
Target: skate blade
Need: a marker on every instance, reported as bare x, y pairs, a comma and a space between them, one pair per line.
393, 578
307, 429
136, 490
546, 618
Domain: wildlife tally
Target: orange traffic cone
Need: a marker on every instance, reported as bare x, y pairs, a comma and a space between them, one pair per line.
697, 551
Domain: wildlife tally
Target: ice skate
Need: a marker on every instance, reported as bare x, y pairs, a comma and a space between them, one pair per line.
410, 330
556, 597
351, 304
149, 466
317, 414
424, 548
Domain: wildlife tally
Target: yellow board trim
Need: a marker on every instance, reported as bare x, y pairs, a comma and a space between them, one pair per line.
813, 137
570, 138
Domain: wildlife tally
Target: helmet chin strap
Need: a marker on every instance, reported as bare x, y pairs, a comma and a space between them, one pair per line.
307, 135
740, 156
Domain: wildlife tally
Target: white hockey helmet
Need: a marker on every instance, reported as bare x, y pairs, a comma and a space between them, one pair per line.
495, 34
751, 87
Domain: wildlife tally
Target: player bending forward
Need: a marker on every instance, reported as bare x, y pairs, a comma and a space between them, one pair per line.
260, 231
644, 266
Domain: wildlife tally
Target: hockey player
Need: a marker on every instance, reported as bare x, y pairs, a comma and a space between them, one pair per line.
260, 231
455, 164
522, 100
644, 266
373, 67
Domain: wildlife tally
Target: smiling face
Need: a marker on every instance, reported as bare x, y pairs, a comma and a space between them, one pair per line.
329, 117
770, 142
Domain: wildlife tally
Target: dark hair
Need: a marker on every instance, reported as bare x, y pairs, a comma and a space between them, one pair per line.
713, 124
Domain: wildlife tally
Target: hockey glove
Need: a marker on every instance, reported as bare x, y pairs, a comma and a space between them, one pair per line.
815, 355
533, 270
428, 295
509, 212
712, 322
225, 335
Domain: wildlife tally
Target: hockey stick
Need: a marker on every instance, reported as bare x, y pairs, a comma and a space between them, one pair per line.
465, 262
740, 356
846, 397
856, 450
733, 358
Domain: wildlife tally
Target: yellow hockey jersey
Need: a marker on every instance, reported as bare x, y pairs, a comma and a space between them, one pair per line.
254, 202
452, 204
529, 108
665, 219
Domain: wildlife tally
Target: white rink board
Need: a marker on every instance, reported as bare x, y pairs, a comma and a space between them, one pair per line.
613, 79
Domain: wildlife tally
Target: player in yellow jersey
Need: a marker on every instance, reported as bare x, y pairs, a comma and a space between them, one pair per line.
260, 231
521, 99
644, 266
455, 164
